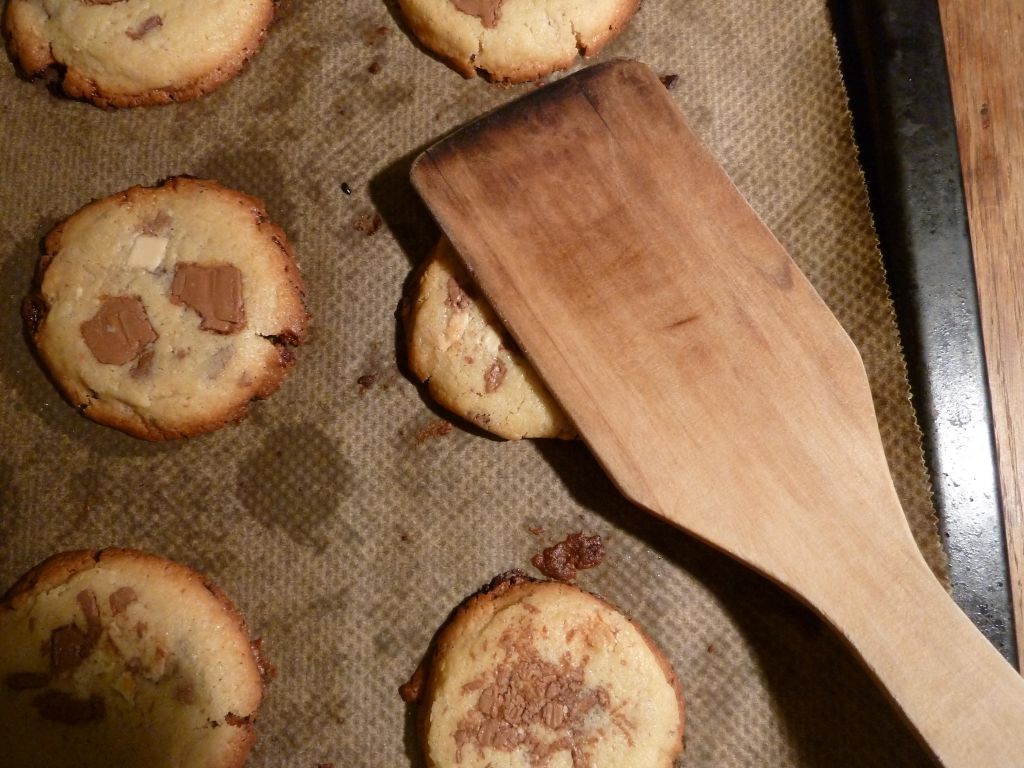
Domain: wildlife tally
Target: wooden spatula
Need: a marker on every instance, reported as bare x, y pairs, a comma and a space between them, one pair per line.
709, 379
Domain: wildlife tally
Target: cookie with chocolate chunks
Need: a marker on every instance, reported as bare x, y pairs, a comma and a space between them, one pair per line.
514, 41
458, 347
122, 658
164, 311
540, 673
128, 53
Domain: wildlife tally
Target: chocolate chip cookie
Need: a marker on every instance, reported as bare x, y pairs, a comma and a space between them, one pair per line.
457, 345
530, 673
127, 53
118, 657
164, 311
515, 40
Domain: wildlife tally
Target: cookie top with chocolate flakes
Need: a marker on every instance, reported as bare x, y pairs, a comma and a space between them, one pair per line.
536, 674
164, 311
126, 53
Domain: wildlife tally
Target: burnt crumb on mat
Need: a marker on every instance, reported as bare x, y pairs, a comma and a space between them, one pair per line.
576, 553
368, 224
366, 382
669, 81
535, 530
374, 67
346, 188
436, 428
375, 35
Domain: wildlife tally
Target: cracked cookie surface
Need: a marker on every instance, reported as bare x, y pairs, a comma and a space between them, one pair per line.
531, 674
515, 40
457, 345
164, 311
122, 658
125, 53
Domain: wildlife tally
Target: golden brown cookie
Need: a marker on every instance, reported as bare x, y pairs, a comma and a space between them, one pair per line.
164, 311
121, 658
516, 40
458, 347
538, 674
128, 53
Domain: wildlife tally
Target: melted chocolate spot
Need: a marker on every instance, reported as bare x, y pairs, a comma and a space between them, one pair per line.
488, 11
61, 707
151, 23
25, 681
120, 599
495, 375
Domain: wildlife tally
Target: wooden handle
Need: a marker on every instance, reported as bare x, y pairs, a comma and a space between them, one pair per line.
957, 692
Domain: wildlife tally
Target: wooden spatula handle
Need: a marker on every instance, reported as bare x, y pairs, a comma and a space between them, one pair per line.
954, 688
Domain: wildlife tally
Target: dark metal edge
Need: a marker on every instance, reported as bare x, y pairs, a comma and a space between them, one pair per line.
894, 65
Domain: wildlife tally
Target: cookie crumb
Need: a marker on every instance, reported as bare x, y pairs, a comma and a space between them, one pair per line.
410, 691
366, 382
375, 36
536, 530
437, 428
576, 553
374, 68
368, 224
669, 81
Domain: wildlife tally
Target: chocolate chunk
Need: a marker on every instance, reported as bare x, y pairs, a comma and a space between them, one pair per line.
495, 375
25, 681
117, 333
185, 693
488, 11
145, 362
215, 293
151, 23
62, 707
564, 559
121, 598
457, 297
158, 225
69, 645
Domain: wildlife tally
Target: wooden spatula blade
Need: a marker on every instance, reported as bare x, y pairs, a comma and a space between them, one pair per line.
708, 377
649, 294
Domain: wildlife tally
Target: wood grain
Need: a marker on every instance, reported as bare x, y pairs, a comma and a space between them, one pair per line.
985, 54
709, 379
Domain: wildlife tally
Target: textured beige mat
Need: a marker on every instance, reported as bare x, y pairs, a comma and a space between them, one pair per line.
343, 536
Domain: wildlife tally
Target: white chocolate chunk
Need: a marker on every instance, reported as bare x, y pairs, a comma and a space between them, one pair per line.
147, 252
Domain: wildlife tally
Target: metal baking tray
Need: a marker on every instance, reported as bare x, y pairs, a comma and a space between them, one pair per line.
895, 70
